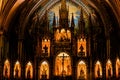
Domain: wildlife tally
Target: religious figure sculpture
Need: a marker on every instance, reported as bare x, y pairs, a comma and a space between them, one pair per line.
68, 69
6, 72
44, 72
28, 73
16, 72
82, 74
109, 71
98, 71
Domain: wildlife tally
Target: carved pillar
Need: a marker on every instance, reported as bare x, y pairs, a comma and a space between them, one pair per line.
74, 69
20, 55
104, 69
20, 49
90, 39
108, 47
114, 68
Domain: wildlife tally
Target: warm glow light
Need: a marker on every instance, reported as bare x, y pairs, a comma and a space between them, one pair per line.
17, 62
81, 39
6, 70
45, 40
46, 46
98, 63
82, 42
63, 53
109, 71
117, 67
68, 31
29, 63
109, 62
44, 70
29, 70
44, 62
62, 30
81, 70
63, 65
81, 62
98, 69
62, 35
118, 60
17, 70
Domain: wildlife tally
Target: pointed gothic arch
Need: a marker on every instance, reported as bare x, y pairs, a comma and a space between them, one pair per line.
29, 71
17, 70
98, 70
63, 64
118, 68
109, 71
6, 70
81, 70
44, 70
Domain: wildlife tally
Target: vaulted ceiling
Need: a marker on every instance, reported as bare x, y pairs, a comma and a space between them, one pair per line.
18, 12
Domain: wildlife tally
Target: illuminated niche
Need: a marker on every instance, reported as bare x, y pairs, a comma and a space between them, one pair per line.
46, 47
63, 65
29, 71
62, 35
98, 70
109, 71
81, 70
17, 70
6, 70
117, 68
44, 70
81, 47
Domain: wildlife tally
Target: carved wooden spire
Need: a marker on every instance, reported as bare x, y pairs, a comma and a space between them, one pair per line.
46, 21
81, 24
72, 21
54, 21
63, 15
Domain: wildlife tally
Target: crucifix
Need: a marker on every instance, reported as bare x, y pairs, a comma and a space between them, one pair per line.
63, 59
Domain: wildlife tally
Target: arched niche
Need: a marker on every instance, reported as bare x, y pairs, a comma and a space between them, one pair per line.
63, 65
29, 71
109, 71
6, 69
17, 70
118, 68
44, 70
81, 70
98, 70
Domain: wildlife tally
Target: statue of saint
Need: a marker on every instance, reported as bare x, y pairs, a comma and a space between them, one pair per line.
68, 69
44, 73
82, 74
16, 72
28, 73
109, 71
6, 71
98, 71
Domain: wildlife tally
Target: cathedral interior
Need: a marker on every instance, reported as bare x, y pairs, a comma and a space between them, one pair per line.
59, 39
